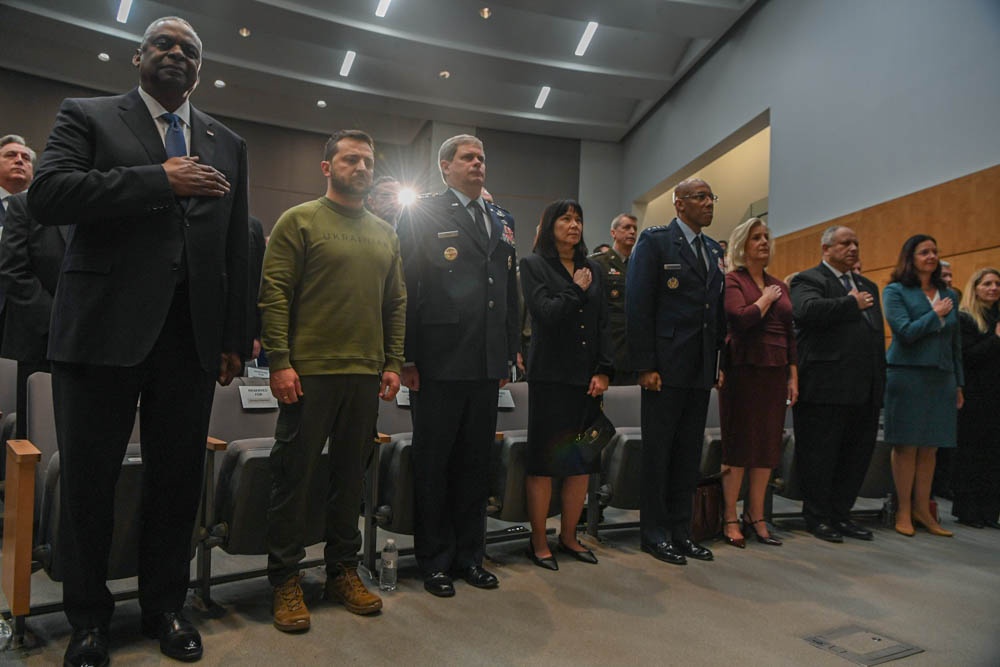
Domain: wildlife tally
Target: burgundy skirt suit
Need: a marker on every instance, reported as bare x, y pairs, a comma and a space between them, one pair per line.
759, 350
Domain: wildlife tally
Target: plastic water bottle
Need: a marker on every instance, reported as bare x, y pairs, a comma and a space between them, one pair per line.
6, 632
387, 575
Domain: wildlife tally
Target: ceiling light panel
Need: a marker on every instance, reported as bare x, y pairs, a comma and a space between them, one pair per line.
345, 68
123, 9
383, 7
588, 34
543, 95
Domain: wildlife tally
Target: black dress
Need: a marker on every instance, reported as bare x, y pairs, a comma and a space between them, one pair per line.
977, 467
570, 343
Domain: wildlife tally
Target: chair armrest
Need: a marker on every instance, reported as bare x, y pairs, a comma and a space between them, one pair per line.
18, 519
383, 439
215, 445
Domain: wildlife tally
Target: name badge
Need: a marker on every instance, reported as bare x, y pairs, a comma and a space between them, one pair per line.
258, 372
671, 267
257, 398
448, 235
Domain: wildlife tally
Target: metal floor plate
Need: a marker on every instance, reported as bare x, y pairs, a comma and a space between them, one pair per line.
861, 646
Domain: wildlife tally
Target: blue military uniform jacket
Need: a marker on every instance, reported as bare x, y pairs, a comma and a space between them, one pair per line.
676, 322
462, 316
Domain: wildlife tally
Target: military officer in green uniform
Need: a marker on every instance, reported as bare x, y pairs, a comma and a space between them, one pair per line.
614, 262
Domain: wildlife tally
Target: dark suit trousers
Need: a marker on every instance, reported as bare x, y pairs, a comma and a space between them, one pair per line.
833, 448
673, 432
95, 412
24, 371
454, 426
342, 408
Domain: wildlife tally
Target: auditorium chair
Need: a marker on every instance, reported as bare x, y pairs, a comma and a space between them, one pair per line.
32, 516
8, 406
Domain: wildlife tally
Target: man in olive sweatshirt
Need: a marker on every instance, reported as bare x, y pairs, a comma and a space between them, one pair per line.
333, 309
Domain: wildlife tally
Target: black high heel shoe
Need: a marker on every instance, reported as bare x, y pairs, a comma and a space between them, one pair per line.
737, 542
585, 556
748, 526
547, 563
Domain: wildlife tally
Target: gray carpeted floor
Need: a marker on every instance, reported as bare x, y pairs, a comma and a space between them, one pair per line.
748, 607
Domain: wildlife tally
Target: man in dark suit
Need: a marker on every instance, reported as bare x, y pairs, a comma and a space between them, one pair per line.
461, 339
841, 347
151, 304
30, 260
676, 327
17, 168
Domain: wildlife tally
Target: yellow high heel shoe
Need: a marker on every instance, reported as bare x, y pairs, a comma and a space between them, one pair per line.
932, 527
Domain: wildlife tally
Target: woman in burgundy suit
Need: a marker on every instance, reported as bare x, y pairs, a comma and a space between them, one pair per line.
761, 379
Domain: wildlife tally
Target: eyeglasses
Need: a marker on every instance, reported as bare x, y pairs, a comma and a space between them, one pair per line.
700, 197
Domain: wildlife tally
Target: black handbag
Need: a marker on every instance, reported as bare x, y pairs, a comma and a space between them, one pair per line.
591, 441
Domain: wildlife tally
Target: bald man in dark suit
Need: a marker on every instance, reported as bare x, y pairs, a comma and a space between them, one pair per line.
151, 305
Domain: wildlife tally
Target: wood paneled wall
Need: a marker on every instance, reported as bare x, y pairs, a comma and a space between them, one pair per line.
963, 215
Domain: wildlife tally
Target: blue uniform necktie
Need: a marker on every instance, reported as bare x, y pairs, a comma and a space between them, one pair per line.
477, 214
174, 140
846, 279
700, 252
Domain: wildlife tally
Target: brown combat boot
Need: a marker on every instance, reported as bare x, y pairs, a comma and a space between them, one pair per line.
290, 612
347, 588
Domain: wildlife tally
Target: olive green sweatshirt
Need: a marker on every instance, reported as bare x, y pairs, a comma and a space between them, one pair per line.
332, 295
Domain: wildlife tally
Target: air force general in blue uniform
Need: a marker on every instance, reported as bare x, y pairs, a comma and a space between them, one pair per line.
676, 326
462, 336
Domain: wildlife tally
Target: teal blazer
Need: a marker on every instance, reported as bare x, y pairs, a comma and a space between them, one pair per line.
918, 337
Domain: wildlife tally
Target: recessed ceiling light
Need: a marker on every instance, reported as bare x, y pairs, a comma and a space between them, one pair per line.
321, 104
383, 7
123, 9
444, 74
345, 68
244, 31
543, 95
588, 34
219, 83
103, 57
485, 12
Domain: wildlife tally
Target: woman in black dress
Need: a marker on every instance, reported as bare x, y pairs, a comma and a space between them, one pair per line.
569, 366
977, 468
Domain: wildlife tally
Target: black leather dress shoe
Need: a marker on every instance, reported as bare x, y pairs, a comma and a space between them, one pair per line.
439, 584
664, 551
693, 550
584, 556
825, 531
87, 648
851, 529
476, 576
178, 638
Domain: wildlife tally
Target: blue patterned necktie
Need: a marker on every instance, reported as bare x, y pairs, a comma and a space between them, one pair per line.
846, 279
174, 139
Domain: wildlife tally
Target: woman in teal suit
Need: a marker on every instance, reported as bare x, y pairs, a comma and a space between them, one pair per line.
924, 380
